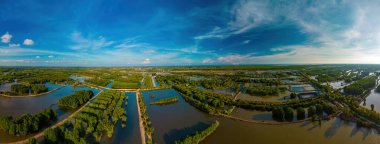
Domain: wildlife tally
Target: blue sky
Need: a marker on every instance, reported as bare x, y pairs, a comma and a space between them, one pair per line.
191, 32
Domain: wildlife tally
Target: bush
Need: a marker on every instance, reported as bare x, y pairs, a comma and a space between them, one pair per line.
289, 114
76, 100
300, 113
311, 111
50, 136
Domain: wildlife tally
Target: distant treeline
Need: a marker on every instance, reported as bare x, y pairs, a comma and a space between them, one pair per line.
263, 91
21, 89
360, 86
99, 82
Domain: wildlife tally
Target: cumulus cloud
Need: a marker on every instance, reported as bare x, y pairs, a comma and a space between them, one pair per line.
28, 42
146, 61
6, 38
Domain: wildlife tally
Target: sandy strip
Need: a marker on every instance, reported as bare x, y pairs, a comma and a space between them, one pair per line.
142, 130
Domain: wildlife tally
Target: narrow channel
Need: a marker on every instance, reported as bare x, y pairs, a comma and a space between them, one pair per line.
131, 132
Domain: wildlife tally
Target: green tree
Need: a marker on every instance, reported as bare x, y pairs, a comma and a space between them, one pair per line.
289, 114
293, 95
50, 135
32, 141
311, 111
300, 113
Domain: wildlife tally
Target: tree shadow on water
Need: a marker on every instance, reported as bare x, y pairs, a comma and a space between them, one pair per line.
178, 134
366, 131
306, 123
331, 131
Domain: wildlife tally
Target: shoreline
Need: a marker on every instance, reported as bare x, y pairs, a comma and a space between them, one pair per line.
34, 95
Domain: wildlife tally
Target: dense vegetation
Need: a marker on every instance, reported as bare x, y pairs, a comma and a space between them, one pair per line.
20, 89
37, 75
263, 91
165, 100
199, 136
100, 117
204, 100
267, 82
148, 83
127, 82
146, 122
76, 100
38, 88
27, 124
360, 86
99, 82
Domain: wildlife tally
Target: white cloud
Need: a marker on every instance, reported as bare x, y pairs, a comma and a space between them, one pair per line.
50, 56
217, 32
235, 59
14, 45
19, 51
207, 61
246, 41
146, 61
149, 51
6, 38
84, 43
28, 42
131, 43
245, 15
299, 54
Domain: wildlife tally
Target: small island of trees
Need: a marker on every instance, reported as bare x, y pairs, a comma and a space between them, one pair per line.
76, 100
165, 101
199, 136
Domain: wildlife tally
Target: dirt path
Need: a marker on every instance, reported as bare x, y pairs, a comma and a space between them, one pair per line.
142, 130
41, 134
153, 82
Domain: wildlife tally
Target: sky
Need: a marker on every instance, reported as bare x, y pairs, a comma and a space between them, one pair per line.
190, 32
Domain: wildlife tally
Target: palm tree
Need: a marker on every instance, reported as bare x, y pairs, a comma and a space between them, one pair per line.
372, 107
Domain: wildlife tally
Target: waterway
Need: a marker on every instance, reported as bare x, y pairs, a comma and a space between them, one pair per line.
131, 132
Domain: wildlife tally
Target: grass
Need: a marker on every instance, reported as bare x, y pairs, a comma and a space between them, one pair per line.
121, 85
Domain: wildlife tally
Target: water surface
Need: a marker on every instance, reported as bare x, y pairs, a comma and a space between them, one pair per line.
174, 121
